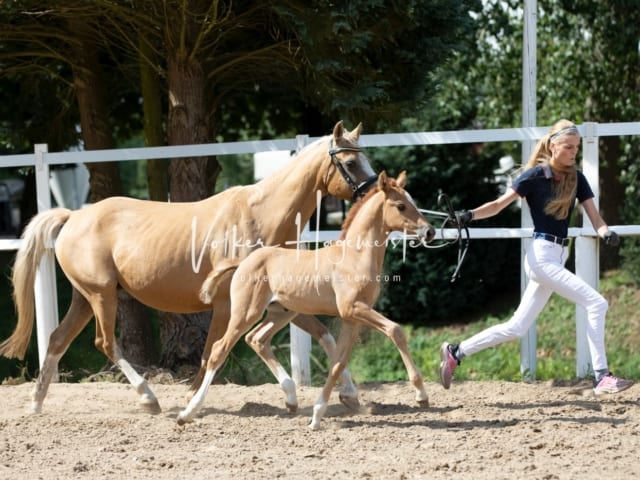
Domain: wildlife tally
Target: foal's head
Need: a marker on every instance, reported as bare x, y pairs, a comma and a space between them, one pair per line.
399, 210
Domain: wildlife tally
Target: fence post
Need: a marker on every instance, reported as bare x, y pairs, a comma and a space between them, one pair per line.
299, 339
529, 76
587, 253
45, 291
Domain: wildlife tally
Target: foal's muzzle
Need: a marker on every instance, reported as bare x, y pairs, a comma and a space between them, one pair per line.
425, 232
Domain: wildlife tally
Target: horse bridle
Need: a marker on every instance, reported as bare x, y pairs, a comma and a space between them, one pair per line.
358, 190
450, 218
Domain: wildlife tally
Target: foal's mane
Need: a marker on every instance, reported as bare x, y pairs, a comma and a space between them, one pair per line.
355, 208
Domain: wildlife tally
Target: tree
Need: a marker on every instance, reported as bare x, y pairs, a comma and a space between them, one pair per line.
213, 61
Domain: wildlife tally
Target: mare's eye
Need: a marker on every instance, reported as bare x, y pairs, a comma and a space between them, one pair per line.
401, 207
350, 163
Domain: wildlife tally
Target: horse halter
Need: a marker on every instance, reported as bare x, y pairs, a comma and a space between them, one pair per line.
358, 190
449, 218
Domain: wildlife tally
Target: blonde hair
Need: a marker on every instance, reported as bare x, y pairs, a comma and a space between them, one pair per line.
565, 188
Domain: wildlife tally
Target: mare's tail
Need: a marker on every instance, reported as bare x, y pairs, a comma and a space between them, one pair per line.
37, 237
210, 285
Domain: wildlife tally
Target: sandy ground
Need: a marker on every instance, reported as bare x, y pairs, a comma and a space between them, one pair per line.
476, 430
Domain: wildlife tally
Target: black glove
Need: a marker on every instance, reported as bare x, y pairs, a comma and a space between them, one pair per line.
611, 238
464, 217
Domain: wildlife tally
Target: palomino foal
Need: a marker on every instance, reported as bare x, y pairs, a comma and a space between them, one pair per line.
341, 280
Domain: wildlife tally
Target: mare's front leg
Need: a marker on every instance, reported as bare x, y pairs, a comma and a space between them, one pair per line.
346, 339
369, 317
76, 318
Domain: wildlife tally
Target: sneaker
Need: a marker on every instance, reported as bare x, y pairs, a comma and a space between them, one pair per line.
448, 364
611, 384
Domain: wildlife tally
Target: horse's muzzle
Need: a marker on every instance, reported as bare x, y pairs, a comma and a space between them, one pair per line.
425, 233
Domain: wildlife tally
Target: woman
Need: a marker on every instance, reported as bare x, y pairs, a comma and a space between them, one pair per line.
550, 183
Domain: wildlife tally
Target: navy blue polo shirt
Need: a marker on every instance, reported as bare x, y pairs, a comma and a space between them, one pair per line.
536, 186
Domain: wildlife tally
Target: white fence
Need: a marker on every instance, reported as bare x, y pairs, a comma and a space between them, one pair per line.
586, 253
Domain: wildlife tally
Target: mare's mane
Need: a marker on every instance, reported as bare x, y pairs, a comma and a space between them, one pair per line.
355, 208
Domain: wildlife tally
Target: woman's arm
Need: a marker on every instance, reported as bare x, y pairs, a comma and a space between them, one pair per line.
598, 223
494, 207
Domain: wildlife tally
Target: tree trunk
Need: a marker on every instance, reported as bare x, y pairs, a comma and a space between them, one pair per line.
612, 197
105, 180
183, 336
157, 176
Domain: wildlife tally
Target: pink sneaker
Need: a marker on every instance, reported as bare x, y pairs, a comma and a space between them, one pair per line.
611, 384
448, 364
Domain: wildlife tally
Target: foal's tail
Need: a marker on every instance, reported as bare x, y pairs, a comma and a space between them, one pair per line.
37, 237
210, 285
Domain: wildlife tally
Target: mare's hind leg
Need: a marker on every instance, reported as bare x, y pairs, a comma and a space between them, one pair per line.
76, 318
104, 306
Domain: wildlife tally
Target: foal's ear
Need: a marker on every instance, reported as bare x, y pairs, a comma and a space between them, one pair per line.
383, 181
402, 179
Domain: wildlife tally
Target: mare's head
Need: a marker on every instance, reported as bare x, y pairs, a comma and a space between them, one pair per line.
400, 212
350, 175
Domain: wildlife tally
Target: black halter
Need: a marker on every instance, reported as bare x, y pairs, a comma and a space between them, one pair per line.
358, 190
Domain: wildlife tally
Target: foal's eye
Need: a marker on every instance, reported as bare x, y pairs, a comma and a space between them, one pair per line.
350, 163
401, 207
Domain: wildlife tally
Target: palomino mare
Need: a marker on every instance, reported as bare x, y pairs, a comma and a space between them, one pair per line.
342, 279
161, 253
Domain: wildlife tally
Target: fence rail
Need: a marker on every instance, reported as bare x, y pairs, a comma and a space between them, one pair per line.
586, 246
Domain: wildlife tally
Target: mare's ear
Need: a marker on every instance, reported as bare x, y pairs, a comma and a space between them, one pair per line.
338, 132
355, 133
383, 181
402, 179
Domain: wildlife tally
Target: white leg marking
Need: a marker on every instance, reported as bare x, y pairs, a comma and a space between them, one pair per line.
319, 409
197, 400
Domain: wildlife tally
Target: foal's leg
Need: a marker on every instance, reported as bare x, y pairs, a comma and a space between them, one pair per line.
247, 308
76, 318
217, 327
104, 305
346, 339
368, 316
310, 324
221, 305
260, 340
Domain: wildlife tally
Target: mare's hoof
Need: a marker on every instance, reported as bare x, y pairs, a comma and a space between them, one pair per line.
423, 403
152, 408
293, 408
352, 403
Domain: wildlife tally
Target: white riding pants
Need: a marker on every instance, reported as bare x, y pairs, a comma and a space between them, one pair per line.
544, 266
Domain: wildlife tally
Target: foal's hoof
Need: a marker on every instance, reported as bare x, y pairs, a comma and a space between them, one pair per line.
423, 403
183, 420
152, 408
292, 407
352, 403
